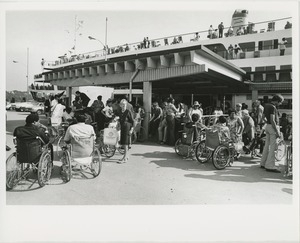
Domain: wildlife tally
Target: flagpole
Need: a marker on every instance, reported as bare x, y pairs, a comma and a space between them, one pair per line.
27, 69
106, 47
75, 35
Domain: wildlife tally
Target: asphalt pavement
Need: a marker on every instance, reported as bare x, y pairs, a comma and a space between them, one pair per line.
154, 175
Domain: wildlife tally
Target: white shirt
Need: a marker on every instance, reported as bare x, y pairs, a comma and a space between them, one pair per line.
53, 104
79, 130
68, 116
82, 137
108, 110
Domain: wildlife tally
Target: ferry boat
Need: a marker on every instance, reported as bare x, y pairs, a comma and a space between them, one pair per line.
41, 89
257, 48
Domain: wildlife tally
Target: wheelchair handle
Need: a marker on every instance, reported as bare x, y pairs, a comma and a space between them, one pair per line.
39, 138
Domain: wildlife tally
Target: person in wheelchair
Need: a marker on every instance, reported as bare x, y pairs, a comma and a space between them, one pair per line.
223, 130
193, 128
77, 131
26, 135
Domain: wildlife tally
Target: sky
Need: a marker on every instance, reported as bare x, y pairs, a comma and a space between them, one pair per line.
49, 34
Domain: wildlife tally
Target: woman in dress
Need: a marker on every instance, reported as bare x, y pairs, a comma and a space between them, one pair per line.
126, 122
171, 113
236, 127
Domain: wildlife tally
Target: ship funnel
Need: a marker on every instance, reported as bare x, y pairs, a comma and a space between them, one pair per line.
239, 19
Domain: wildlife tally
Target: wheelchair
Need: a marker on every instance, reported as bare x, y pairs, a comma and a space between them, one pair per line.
82, 153
109, 150
57, 134
30, 156
221, 152
185, 146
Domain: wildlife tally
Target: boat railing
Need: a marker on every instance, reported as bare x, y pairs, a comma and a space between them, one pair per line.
250, 28
252, 52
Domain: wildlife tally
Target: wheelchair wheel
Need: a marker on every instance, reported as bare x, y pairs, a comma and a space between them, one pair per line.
141, 135
203, 154
60, 143
178, 147
108, 150
221, 157
66, 165
121, 149
44, 169
280, 152
13, 171
96, 164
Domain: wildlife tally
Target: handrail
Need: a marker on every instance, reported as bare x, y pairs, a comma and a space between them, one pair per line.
152, 43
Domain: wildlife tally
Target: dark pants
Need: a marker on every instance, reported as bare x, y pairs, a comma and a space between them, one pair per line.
153, 127
170, 130
100, 119
282, 52
220, 33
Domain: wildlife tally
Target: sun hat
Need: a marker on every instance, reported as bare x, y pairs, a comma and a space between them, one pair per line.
196, 103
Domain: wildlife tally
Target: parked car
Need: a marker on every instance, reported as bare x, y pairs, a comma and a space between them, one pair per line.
37, 108
23, 106
9, 107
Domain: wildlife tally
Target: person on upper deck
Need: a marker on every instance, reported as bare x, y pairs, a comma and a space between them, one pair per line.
221, 28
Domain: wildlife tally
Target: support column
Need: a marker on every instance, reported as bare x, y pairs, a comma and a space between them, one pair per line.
147, 100
254, 95
69, 96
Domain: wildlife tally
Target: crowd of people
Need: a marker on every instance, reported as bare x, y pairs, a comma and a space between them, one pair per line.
166, 120
212, 33
98, 115
241, 124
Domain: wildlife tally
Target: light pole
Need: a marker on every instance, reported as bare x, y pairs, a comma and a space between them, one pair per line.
27, 69
104, 47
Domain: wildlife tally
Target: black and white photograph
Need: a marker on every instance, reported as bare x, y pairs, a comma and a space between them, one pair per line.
150, 121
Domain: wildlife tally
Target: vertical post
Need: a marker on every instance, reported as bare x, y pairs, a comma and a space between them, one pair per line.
192, 99
70, 95
254, 95
75, 34
224, 100
147, 100
27, 69
106, 47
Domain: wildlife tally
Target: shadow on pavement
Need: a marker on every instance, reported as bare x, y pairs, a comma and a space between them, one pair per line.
247, 170
243, 174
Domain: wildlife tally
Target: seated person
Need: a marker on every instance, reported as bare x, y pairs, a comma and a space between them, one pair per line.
27, 142
68, 115
197, 124
223, 130
81, 136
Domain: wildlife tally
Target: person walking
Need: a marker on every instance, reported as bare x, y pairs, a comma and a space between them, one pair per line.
272, 133
126, 123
